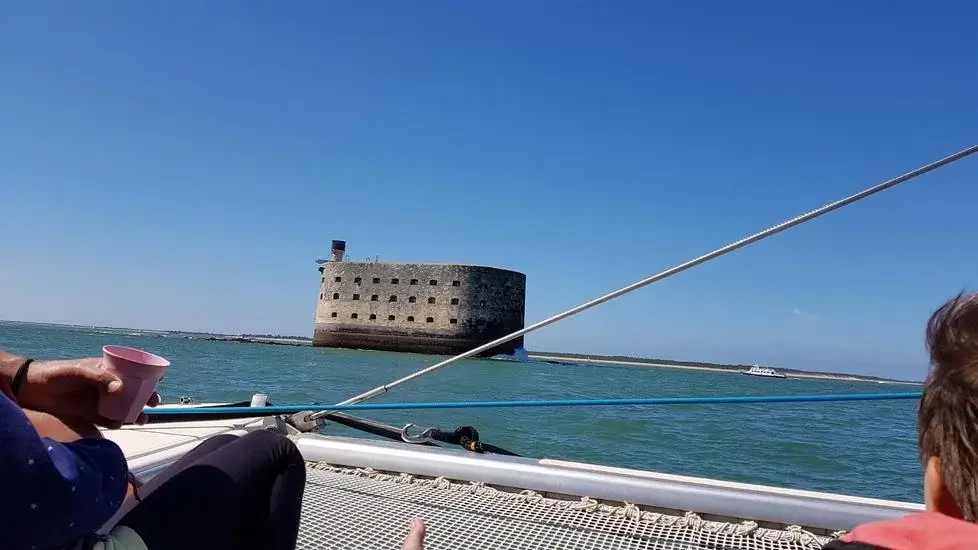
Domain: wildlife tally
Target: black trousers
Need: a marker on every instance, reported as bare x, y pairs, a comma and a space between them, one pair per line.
228, 493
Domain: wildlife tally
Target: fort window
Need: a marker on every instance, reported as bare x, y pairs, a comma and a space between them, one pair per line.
373, 298
376, 280
353, 316
453, 321
336, 295
392, 299
332, 314
323, 280
456, 283
414, 281
454, 301
356, 296
410, 318
395, 280
338, 279
373, 317
390, 317
320, 295
430, 320
431, 300
356, 280
412, 299
432, 282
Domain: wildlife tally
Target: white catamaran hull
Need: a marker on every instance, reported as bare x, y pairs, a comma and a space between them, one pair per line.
361, 493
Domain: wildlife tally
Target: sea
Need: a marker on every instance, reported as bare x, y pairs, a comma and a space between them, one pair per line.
858, 448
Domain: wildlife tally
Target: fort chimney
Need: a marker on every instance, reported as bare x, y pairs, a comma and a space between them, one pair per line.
339, 249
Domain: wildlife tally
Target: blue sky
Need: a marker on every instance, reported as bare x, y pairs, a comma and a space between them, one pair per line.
182, 164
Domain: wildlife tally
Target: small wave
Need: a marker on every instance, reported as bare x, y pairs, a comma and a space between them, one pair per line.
519, 354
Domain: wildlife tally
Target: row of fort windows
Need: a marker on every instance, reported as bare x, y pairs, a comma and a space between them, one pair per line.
394, 281
373, 317
393, 298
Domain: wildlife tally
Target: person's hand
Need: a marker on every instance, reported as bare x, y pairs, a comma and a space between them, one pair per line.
72, 388
415, 538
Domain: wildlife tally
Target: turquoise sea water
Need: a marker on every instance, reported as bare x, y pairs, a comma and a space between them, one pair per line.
862, 448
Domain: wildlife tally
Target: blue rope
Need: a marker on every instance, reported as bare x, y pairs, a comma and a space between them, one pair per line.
292, 409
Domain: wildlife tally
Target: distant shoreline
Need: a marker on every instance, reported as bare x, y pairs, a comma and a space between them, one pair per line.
557, 357
285, 341
552, 357
711, 367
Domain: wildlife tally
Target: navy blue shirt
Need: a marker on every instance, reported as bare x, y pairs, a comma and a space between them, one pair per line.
52, 494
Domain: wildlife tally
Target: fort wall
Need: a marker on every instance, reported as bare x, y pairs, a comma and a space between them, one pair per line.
422, 308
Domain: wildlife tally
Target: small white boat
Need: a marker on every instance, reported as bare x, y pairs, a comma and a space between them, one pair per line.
766, 372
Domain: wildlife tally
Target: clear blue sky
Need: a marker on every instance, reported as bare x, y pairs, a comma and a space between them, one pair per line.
181, 165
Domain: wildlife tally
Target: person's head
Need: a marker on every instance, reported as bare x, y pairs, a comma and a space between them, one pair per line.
947, 422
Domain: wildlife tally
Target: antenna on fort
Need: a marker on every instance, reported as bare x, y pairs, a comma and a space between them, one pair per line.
339, 250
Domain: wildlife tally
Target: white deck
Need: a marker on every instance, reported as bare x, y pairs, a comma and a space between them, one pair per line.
145, 445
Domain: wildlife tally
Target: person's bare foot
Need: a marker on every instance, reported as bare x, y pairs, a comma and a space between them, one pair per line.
415, 538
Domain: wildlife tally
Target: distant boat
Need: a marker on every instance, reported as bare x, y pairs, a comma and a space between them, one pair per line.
766, 372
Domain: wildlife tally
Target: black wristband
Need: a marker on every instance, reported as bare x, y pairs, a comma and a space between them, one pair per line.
20, 376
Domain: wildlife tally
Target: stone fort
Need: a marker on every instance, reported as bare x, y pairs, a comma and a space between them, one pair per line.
422, 308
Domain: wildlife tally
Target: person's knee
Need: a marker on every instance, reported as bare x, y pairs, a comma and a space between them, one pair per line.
265, 439
219, 441
279, 445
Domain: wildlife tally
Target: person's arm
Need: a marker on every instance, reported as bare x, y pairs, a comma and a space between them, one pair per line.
66, 388
51, 493
9, 364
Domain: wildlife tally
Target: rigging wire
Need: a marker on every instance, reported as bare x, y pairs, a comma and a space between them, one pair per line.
659, 276
254, 412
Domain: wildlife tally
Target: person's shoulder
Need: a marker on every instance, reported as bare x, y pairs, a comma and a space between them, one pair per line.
923, 531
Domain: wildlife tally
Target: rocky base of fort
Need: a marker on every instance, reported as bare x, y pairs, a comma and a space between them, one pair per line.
386, 339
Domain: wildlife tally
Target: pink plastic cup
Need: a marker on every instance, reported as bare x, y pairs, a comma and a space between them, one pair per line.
140, 372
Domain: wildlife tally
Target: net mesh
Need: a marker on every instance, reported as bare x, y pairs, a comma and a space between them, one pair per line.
362, 508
